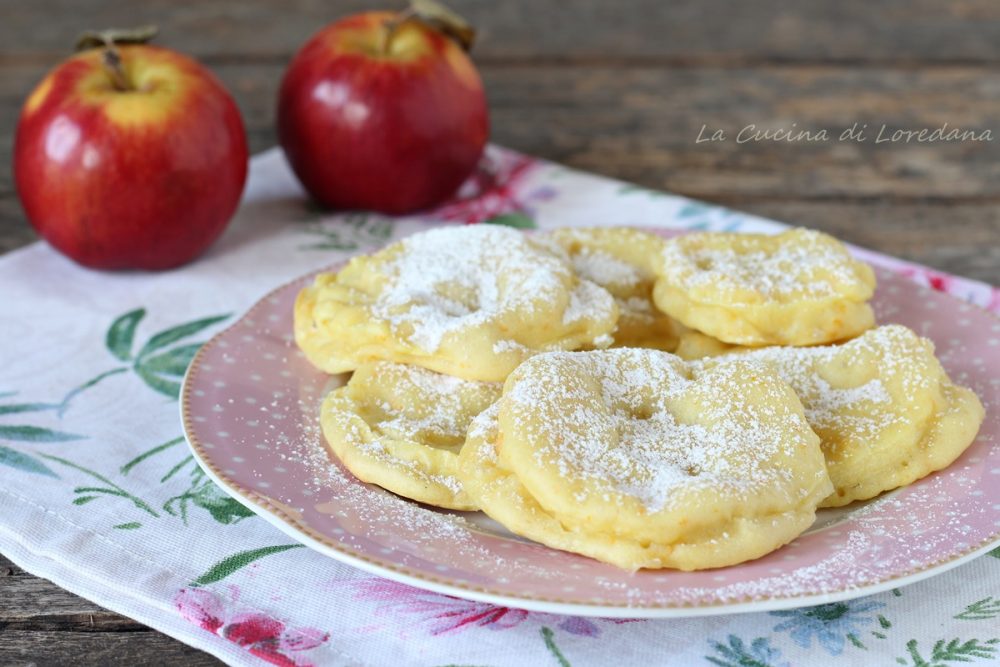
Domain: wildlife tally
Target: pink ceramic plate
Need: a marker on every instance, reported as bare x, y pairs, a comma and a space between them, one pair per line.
250, 410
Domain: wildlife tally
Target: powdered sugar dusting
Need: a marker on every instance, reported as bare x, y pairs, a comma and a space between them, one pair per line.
447, 421
623, 436
604, 269
337, 489
383, 515
457, 278
423, 408
587, 302
892, 351
810, 265
503, 346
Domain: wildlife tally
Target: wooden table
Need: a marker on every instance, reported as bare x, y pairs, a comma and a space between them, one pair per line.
621, 89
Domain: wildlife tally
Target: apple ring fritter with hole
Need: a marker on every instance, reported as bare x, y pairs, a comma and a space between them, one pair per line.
885, 410
401, 427
471, 301
630, 457
622, 261
800, 287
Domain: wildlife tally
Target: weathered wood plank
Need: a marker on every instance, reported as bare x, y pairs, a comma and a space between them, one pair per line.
683, 31
14, 233
42, 624
31, 603
24, 648
641, 124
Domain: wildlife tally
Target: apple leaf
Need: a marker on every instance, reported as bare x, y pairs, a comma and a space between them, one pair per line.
445, 21
174, 334
121, 333
35, 434
96, 39
25, 463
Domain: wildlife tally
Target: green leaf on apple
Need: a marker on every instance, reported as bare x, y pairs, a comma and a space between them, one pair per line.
516, 220
445, 20
99, 39
121, 333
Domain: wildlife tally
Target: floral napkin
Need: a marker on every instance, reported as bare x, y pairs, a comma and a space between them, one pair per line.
99, 493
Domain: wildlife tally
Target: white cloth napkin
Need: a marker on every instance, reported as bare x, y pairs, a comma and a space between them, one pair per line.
99, 494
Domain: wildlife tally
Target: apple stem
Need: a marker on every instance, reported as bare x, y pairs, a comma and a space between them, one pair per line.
392, 25
112, 60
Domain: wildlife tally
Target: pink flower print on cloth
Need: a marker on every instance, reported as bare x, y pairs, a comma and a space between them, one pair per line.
443, 614
262, 635
500, 186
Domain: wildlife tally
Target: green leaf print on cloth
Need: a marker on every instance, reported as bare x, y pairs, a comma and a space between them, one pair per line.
736, 653
86, 494
831, 625
21, 433
550, 643
632, 189
20, 461
944, 654
238, 561
173, 334
351, 231
150, 452
35, 434
163, 371
121, 333
158, 363
516, 220
15, 408
200, 491
203, 494
980, 610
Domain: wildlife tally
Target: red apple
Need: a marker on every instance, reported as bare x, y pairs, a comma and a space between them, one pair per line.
384, 112
136, 165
